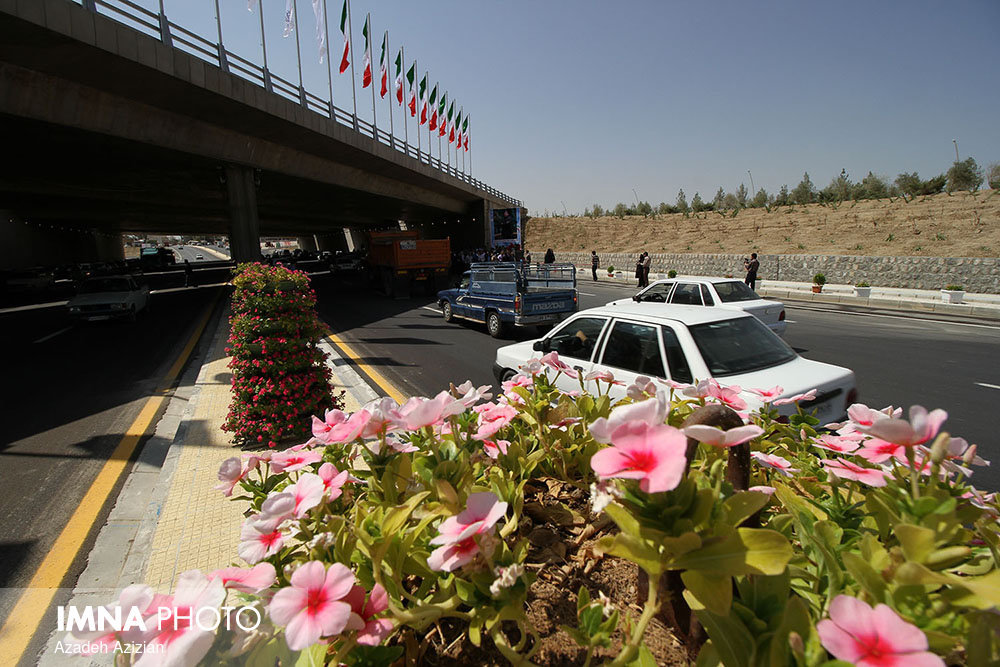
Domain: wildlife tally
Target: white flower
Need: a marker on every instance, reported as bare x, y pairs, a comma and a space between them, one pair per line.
608, 607
322, 540
602, 494
506, 577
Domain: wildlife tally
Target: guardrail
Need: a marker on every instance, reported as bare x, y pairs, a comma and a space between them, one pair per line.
156, 25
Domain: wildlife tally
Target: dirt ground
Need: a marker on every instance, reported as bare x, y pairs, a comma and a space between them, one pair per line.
960, 224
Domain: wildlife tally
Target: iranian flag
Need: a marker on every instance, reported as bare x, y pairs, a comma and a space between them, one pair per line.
443, 129
423, 100
465, 131
411, 77
399, 77
451, 125
432, 103
345, 60
458, 129
383, 65
366, 78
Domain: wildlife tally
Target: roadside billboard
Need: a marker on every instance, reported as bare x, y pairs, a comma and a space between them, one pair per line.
505, 224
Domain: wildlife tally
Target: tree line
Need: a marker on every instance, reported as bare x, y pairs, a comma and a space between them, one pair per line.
963, 175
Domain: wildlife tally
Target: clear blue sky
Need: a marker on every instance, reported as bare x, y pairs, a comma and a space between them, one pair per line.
581, 101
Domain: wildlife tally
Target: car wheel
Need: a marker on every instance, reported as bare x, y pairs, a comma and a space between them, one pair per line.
507, 375
446, 311
494, 324
131, 314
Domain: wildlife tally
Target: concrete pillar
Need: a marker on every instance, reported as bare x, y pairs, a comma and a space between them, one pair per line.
487, 228
355, 239
307, 243
244, 225
331, 242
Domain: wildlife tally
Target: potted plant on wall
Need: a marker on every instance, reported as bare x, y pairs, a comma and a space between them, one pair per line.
818, 281
611, 271
952, 294
863, 289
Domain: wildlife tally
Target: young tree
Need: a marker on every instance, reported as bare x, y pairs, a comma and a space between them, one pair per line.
909, 184
761, 199
697, 205
644, 209
720, 196
839, 189
598, 210
872, 186
620, 210
964, 175
782, 197
741, 196
729, 202
664, 208
682, 202
993, 176
805, 191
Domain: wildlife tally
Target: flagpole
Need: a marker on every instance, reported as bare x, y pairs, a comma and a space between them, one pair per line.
441, 118
416, 82
329, 73
263, 46
388, 68
402, 71
368, 22
470, 153
298, 53
354, 86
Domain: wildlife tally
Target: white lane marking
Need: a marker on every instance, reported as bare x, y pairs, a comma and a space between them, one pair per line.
587, 294
433, 310
53, 335
988, 385
791, 321
894, 317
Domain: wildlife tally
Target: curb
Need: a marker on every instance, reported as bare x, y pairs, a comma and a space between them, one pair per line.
905, 305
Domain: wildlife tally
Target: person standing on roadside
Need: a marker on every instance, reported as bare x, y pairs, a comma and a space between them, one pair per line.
550, 257
645, 269
638, 268
188, 272
752, 266
595, 262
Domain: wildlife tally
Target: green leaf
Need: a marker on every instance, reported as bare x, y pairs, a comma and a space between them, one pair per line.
795, 619
985, 589
374, 656
582, 598
645, 658
590, 620
633, 549
708, 656
743, 505
397, 516
731, 639
742, 551
623, 518
917, 541
678, 546
714, 591
269, 653
864, 574
314, 656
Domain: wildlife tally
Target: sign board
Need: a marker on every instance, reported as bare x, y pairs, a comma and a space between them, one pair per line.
407, 245
505, 224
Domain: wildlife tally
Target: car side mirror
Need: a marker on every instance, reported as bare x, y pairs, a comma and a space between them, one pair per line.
541, 346
635, 297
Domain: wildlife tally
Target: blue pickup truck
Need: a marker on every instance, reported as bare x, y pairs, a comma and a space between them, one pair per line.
502, 294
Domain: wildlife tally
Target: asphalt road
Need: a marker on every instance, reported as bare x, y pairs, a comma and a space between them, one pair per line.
899, 360
69, 394
191, 253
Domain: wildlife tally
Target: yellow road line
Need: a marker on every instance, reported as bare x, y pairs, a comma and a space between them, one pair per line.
26, 617
376, 377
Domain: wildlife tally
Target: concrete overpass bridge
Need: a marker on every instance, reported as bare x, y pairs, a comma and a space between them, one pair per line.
109, 128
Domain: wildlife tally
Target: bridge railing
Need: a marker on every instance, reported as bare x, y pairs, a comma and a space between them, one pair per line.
156, 25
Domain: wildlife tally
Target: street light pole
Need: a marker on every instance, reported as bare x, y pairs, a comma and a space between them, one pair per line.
955, 141
753, 192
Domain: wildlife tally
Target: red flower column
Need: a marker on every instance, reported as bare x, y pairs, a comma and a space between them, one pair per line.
280, 378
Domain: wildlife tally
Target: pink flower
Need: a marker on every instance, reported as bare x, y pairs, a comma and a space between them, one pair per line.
469, 395
374, 630
290, 461
768, 394
836, 443
654, 455
333, 481
383, 417
877, 637
313, 606
252, 580
642, 386
339, 427
676, 386
716, 437
136, 596
774, 463
495, 448
419, 412
923, 426
727, 395
847, 470
519, 380
602, 376
862, 415
307, 492
256, 545
552, 361
230, 473
769, 490
652, 411
175, 627
808, 396
492, 418
459, 533
875, 450
532, 367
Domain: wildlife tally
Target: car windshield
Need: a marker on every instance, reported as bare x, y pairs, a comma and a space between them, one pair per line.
735, 291
740, 345
105, 285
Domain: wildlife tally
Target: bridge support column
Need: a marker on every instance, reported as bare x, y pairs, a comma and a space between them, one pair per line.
355, 239
308, 243
244, 225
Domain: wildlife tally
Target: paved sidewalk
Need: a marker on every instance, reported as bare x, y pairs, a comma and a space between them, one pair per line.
169, 517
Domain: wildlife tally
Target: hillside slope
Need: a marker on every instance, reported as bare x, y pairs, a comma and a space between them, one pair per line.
958, 225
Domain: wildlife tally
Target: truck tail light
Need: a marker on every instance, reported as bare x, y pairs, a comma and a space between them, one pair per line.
781, 317
517, 303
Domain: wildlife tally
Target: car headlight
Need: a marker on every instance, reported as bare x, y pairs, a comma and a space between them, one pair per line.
74, 309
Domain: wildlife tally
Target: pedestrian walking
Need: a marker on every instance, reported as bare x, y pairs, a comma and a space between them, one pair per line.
638, 268
187, 273
595, 263
550, 257
752, 266
646, 262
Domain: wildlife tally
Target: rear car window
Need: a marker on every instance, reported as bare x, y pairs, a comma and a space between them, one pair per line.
578, 338
740, 345
634, 347
676, 361
735, 291
687, 293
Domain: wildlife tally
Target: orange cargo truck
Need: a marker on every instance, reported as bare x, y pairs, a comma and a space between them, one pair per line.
401, 262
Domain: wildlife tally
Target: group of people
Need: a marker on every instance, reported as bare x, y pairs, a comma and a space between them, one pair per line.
642, 269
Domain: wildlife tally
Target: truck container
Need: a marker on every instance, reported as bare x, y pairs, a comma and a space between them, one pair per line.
401, 262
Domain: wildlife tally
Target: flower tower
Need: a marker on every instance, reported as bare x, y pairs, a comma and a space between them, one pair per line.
280, 377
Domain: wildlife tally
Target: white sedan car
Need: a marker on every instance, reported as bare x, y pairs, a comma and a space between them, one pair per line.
109, 297
685, 344
721, 292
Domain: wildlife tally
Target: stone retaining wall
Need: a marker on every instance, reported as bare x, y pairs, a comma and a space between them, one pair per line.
973, 273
